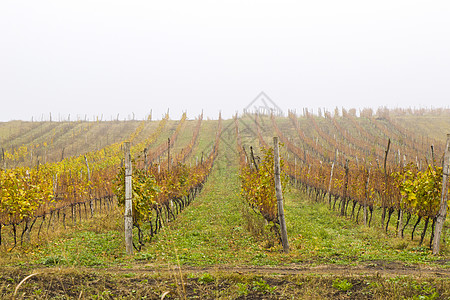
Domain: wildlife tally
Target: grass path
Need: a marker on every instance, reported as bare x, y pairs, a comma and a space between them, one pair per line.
320, 235
211, 230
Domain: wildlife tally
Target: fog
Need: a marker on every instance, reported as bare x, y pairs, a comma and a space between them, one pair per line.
93, 58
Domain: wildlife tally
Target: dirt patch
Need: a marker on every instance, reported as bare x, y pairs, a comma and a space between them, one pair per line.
368, 268
374, 280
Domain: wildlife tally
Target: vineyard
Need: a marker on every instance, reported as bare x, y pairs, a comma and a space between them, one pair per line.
60, 190
203, 191
341, 160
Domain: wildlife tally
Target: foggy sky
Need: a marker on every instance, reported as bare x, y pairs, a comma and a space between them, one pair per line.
119, 57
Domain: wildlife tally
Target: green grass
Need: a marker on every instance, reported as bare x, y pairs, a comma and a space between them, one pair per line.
85, 248
91, 242
320, 234
209, 231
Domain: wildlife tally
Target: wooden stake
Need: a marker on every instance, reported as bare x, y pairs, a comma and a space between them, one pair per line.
329, 184
344, 197
128, 201
91, 204
253, 159
295, 170
279, 193
383, 200
440, 218
168, 155
366, 198
145, 158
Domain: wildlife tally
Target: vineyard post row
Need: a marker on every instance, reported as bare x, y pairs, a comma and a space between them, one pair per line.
440, 218
403, 189
159, 194
128, 218
262, 182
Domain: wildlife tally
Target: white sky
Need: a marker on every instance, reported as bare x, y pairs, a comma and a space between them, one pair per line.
109, 57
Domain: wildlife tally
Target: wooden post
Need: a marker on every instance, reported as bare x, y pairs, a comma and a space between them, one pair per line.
295, 170
128, 201
329, 184
168, 155
366, 194
3, 158
279, 193
91, 204
145, 158
344, 196
440, 218
253, 159
400, 209
383, 197
432, 155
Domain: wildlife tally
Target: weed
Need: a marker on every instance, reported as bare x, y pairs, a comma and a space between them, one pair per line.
342, 285
129, 275
242, 289
37, 292
53, 260
426, 297
206, 278
261, 286
424, 290
260, 255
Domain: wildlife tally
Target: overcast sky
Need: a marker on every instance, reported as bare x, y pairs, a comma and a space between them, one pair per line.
119, 57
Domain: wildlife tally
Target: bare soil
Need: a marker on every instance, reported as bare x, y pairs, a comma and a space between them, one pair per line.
378, 267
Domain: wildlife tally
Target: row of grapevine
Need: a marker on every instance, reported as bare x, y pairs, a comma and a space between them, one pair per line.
162, 148
306, 141
402, 188
345, 138
257, 180
29, 194
368, 147
51, 142
160, 193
